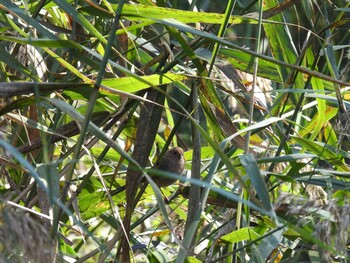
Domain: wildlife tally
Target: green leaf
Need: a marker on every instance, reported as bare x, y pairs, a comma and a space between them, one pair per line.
281, 44
324, 152
151, 12
130, 84
50, 43
243, 234
192, 260
250, 165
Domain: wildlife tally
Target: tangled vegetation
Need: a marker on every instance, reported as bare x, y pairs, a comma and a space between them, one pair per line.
93, 93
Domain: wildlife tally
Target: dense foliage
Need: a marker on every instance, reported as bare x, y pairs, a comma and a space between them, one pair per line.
94, 92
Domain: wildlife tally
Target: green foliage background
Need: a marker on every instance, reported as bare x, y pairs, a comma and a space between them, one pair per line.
274, 175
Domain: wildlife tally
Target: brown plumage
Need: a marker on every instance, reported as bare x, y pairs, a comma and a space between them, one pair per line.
173, 162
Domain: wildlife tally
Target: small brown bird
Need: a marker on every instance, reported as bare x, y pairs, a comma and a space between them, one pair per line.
173, 162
